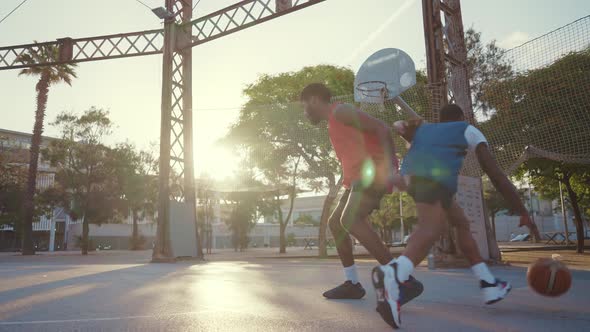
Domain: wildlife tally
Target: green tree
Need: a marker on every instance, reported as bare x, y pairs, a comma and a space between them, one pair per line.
495, 202
282, 173
137, 180
284, 127
13, 180
48, 76
541, 112
85, 175
242, 217
546, 176
291, 240
306, 220
205, 211
251, 200
542, 109
487, 65
388, 216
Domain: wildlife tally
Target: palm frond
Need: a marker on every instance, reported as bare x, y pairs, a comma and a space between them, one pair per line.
46, 53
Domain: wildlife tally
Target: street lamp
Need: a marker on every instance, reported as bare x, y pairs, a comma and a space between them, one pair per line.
162, 13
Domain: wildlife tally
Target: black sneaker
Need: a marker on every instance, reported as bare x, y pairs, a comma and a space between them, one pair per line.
409, 290
347, 290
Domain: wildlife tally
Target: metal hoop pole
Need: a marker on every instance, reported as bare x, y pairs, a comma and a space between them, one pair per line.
405, 107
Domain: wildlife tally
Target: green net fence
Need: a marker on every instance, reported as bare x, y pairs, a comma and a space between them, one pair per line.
543, 108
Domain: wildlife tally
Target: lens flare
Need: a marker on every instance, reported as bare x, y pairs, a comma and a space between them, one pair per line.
367, 172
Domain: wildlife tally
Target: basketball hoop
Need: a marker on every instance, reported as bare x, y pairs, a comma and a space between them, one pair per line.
375, 90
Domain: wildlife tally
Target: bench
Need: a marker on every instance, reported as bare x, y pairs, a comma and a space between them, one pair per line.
311, 242
556, 237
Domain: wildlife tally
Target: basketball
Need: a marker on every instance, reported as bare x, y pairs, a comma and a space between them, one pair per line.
549, 277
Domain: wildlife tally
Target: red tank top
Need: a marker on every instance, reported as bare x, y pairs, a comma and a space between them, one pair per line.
358, 152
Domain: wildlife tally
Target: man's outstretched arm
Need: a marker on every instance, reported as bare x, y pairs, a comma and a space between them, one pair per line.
505, 187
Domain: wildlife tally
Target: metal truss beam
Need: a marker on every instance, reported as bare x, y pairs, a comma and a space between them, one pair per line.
234, 18
88, 49
242, 15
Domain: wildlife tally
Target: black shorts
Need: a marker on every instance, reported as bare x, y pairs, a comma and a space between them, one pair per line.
428, 191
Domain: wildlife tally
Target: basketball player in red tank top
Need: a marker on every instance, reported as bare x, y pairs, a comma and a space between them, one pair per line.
364, 146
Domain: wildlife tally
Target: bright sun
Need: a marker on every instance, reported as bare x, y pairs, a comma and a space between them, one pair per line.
217, 162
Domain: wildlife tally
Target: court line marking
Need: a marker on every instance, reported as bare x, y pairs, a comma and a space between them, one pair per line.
88, 320
334, 318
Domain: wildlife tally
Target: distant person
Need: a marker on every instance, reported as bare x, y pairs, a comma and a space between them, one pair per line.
431, 171
364, 147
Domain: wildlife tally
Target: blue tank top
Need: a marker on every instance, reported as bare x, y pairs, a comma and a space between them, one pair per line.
437, 153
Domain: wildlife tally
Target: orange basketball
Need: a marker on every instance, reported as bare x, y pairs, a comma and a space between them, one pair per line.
549, 277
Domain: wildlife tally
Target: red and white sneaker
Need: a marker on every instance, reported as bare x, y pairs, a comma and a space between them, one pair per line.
495, 292
387, 288
409, 290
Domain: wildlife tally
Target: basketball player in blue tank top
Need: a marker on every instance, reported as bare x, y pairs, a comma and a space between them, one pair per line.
429, 173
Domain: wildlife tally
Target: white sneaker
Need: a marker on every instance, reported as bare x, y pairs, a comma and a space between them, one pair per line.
495, 292
392, 293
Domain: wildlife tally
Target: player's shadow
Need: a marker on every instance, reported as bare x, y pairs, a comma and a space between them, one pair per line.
90, 285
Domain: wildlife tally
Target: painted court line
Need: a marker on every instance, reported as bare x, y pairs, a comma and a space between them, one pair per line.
89, 320
334, 318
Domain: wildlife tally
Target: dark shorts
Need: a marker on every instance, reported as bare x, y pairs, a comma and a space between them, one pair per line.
428, 191
370, 200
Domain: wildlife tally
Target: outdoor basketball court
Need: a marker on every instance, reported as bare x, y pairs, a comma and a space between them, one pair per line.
122, 291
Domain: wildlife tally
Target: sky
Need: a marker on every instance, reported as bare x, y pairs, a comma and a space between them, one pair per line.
337, 32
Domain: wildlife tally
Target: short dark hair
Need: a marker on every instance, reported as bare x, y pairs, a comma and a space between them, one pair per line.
451, 112
316, 90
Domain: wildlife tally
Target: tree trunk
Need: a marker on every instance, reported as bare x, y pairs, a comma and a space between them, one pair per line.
17, 240
579, 226
198, 236
29, 203
135, 234
282, 239
332, 193
493, 216
85, 240
282, 225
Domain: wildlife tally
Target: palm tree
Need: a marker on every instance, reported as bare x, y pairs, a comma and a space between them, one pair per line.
48, 75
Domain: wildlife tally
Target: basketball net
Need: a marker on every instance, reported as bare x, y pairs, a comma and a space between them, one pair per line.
378, 102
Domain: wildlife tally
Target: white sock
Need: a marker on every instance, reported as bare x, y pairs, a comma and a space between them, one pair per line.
405, 267
350, 273
483, 273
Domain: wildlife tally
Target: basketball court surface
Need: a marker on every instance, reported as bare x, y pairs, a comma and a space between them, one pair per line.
122, 291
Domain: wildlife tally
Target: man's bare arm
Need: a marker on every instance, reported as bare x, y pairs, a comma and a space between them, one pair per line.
504, 186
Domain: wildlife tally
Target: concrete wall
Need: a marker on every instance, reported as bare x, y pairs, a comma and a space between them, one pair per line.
118, 235
115, 235
507, 225
265, 235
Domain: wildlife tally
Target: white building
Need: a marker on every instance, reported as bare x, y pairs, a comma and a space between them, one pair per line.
48, 231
